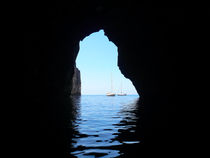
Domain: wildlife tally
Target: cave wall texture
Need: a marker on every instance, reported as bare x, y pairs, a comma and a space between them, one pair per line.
147, 34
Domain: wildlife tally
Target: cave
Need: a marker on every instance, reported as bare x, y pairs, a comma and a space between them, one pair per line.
147, 34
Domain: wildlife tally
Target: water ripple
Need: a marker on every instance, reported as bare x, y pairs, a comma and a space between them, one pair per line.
104, 126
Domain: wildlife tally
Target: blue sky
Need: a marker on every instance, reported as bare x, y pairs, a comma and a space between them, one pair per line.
97, 62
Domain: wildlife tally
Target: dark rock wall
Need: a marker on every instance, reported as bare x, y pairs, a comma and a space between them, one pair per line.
76, 82
148, 35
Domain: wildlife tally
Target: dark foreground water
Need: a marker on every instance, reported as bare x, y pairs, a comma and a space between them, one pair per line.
106, 127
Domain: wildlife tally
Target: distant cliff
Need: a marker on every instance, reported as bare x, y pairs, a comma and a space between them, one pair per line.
76, 82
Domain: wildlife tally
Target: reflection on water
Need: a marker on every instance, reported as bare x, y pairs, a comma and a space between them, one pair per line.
105, 126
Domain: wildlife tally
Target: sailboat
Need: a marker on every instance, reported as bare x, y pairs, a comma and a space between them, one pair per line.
121, 93
110, 93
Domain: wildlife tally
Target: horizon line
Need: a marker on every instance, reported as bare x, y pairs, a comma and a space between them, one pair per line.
105, 94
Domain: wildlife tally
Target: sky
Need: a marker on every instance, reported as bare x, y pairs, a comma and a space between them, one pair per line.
97, 62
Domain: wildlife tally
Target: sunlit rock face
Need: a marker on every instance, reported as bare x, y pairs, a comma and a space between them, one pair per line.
76, 82
148, 36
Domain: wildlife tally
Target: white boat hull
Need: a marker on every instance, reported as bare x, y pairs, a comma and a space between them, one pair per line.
122, 94
110, 94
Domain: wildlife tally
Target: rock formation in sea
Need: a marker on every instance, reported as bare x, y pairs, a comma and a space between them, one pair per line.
76, 82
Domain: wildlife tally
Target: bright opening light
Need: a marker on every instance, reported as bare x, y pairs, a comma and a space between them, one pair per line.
97, 62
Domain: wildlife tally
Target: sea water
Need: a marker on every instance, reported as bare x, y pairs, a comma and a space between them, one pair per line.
105, 126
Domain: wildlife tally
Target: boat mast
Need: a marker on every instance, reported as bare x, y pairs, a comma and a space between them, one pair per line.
111, 82
121, 87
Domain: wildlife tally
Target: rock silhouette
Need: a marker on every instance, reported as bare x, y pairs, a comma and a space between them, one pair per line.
76, 83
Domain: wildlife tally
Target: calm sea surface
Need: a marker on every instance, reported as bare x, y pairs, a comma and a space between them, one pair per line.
105, 127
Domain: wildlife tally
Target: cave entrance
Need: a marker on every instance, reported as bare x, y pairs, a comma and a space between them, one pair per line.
97, 62
102, 121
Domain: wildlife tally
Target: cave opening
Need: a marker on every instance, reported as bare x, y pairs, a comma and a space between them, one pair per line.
97, 63
105, 125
